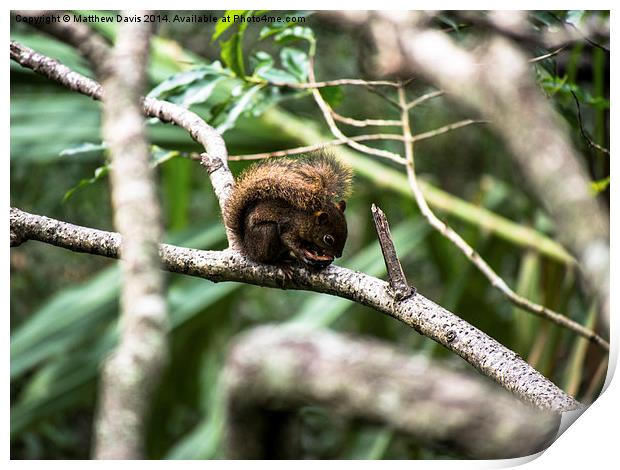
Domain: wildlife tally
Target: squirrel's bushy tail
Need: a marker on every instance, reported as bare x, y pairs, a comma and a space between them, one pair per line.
305, 183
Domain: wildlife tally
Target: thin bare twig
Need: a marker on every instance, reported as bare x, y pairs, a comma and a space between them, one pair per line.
444, 129
423, 98
312, 148
383, 96
586, 137
356, 138
364, 122
337, 82
546, 56
327, 114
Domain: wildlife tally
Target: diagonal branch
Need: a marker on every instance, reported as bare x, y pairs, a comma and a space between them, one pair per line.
484, 80
439, 225
480, 350
215, 156
421, 99
495, 280
327, 114
312, 148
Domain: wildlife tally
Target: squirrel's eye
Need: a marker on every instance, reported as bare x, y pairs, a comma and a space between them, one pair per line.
328, 239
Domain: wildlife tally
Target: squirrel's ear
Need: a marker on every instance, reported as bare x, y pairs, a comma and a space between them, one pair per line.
341, 206
321, 217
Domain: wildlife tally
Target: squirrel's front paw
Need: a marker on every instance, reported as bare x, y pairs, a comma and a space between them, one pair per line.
285, 275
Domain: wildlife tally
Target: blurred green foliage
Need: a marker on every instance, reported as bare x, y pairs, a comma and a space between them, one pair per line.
64, 306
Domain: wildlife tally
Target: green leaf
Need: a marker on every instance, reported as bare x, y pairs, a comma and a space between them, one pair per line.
261, 61
449, 22
547, 18
159, 155
295, 62
243, 100
576, 363
100, 172
528, 286
296, 33
226, 22
176, 179
231, 50
63, 321
276, 28
62, 120
181, 80
262, 64
199, 92
204, 440
83, 319
600, 185
332, 94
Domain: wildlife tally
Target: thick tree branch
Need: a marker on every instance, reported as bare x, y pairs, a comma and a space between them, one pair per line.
215, 159
475, 258
215, 156
371, 381
134, 369
481, 351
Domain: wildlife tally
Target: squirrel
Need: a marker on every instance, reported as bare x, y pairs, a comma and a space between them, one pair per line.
291, 209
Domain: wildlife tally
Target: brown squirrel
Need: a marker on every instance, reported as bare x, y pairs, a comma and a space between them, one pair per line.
291, 208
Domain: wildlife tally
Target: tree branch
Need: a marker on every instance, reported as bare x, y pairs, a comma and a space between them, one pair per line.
312, 148
471, 254
481, 351
215, 156
371, 381
134, 369
93, 47
328, 115
486, 82
434, 221
363, 122
508, 108
398, 282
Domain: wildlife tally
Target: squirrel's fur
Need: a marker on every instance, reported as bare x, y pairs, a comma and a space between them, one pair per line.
291, 208
306, 183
